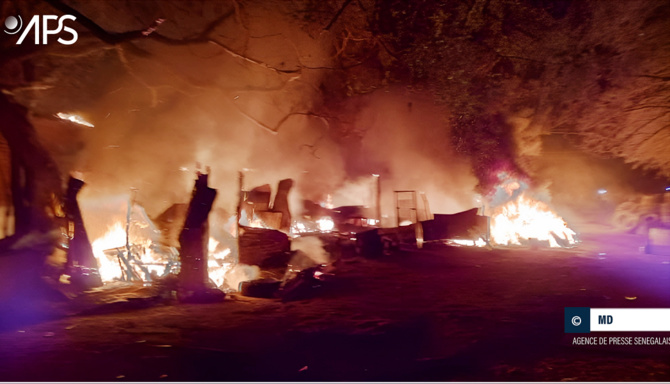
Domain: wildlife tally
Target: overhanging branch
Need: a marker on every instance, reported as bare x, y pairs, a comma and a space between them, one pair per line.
337, 15
117, 38
274, 130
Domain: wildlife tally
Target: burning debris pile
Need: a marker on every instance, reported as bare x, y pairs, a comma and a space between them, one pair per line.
519, 219
131, 250
252, 245
263, 251
136, 248
325, 218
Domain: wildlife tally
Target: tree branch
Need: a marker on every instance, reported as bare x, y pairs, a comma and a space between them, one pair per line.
250, 60
647, 107
662, 78
654, 134
274, 130
117, 38
202, 37
312, 147
337, 15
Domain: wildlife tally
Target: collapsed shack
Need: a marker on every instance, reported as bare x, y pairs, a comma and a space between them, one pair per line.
283, 272
466, 226
263, 243
207, 266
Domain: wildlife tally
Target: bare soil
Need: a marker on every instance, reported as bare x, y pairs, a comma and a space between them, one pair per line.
434, 314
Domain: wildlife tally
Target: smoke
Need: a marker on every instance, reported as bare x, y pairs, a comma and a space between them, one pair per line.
407, 142
155, 149
575, 179
241, 273
361, 191
246, 107
100, 213
178, 105
311, 247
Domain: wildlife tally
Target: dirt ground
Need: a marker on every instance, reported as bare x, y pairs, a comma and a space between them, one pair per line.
444, 313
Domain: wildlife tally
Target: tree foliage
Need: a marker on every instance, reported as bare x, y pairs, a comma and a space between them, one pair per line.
594, 71
505, 71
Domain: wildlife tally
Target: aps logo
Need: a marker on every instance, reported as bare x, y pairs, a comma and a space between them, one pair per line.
14, 25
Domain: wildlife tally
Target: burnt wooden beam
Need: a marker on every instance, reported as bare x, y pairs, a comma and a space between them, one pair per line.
193, 277
281, 203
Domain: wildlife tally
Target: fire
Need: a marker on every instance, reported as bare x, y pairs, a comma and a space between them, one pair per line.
467, 242
145, 261
303, 226
74, 118
254, 222
325, 224
257, 223
525, 218
216, 267
298, 227
109, 267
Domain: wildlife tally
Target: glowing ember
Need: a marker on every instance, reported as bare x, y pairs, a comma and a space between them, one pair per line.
526, 218
325, 224
298, 227
216, 267
467, 242
74, 118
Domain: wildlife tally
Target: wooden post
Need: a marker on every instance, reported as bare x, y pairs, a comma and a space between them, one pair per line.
130, 273
378, 202
240, 199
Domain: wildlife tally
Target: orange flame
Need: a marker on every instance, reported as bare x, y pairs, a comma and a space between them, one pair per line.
110, 267
526, 218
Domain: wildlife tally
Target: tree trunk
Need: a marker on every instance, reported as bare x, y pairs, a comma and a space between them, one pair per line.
81, 263
194, 238
36, 182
